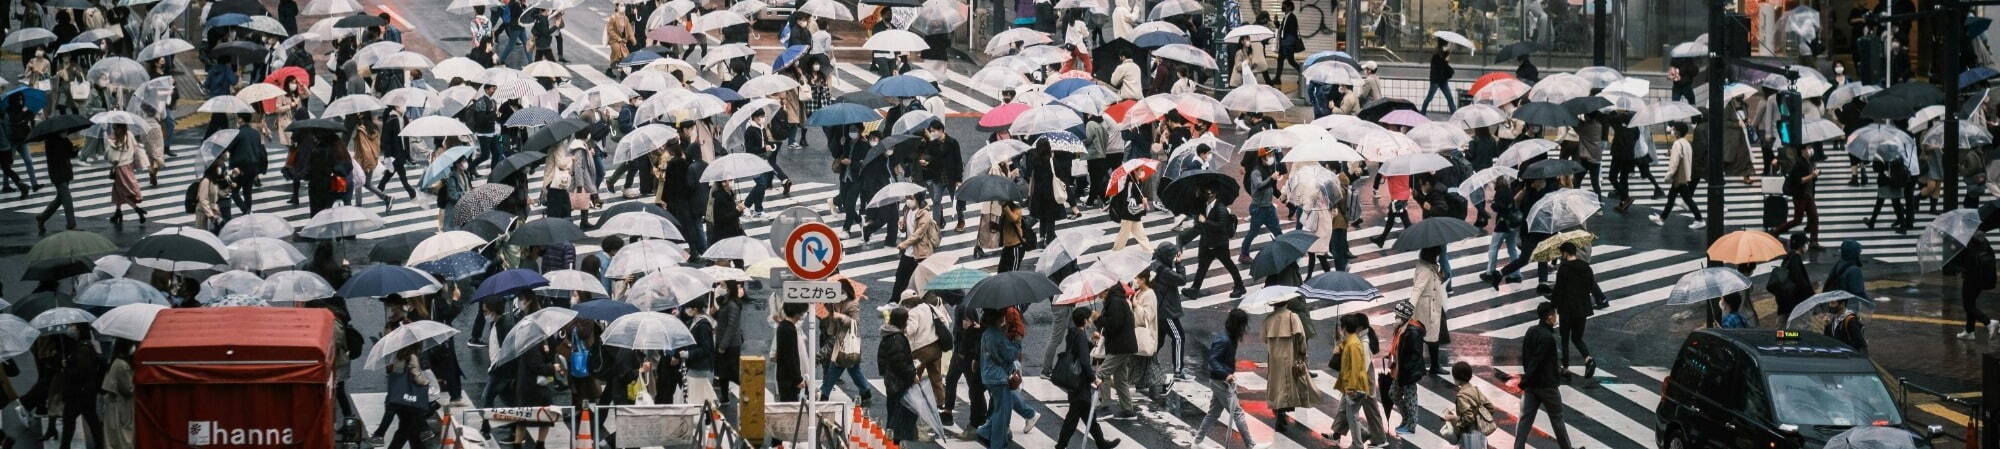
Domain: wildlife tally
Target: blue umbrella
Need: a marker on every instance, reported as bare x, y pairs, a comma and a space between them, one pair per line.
639, 58
226, 20
1976, 74
903, 86
1067, 86
1339, 286
787, 57
1159, 39
442, 165
603, 309
383, 280
36, 99
723, 93
457, 267
509, 282
1975, 26
842, 114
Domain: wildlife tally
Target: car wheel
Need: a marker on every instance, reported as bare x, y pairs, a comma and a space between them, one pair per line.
1676, 442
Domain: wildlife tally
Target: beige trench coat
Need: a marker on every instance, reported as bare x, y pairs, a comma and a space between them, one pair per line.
1290, 384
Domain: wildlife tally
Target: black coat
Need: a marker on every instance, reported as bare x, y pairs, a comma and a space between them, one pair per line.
1575, 282
785, 340
247, 153
1538, 358
1441, 70
893, 357
1079, 346
1116, 322
531, 365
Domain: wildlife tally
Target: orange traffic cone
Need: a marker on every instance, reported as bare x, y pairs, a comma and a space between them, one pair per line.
450, 432
583, 428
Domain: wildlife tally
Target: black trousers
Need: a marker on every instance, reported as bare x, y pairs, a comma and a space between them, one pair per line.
966, 367
1212, 253
1685, 192
62, 200
905, 267
410, 427
1969, 298
1571, 333
86, 409
1079, 408
1100, 175
1010, 257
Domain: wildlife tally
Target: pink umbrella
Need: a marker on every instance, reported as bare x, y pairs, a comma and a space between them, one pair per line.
1002, 115
1405, 117
672, 35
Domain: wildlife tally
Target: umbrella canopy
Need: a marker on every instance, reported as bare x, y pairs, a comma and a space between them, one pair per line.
1801, 313
604, 309
1455, 39
1945, 236
435, 126
669, 287
1083, 287
1066, 248
842, 114
1183, 195
294, 286
990, 188
650, 226
1478, 115
1500, 91
1874, 437
421, 333
1186, 54
1439, 136
1264, 298
647, 256
735, 166
896, 41
457, 267
180, 249
741, 248
1518, 50
50, 321
70, 246
1257, 98
532, 330
1545, 114
1273, 259
1008, 289
1706, 284
264, 253
1044, 119
438, 246
235, 282
130, 322
957, 279
574, 281
156, 50
28, 37
507, 283
379, 280
478, 202
648, 331
1746, 246
116, 292
1434, 231
1559, 88
1339, 286
340, 221
1410, 164
545, 232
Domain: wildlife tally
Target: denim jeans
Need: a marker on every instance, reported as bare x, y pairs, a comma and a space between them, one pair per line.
999, 425
1509, 240
830, 375
755, 200
489, 144
515, 40
1450, 97
28, 162
941, 192
1262, 218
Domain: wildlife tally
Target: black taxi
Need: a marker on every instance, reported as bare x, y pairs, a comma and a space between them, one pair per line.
1747, 388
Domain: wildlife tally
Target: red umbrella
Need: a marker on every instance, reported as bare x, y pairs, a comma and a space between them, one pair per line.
1002, 115
1117, 110
1488, 79
1140, 168
672, 35
279, 78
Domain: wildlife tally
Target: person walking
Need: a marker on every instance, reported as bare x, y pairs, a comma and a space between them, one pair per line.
1842, 324
1213, 228
1219, 375
920, 239
899, 375
787, 347
1012, 235
1289, 44
1471, 417
840, 351
1428, 304
1540, 378
1128, 208
120, 423
123, 151
1260, 179
1000, 354
1573, 295
1680, 174
1290, 385
927, 344
1121, 349
965, 365
60, 154
699, 359
1441, 74
1976, 264
408, 401
1407, 367
82, 374
1075, 357
1800, 174
1355, 381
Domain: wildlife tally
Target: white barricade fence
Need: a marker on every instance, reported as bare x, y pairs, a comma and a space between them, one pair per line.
782, 420
499, 417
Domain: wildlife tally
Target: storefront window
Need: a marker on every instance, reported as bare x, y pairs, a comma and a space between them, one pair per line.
1402, 29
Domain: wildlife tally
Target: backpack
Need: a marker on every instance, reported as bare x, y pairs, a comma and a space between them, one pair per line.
1781, 282
579, 360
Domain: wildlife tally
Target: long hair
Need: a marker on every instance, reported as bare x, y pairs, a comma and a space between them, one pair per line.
1017, 328
1235, 324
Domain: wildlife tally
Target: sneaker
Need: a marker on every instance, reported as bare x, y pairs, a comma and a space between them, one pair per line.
1967, 335
1190, 292
1698, 224
1658, 220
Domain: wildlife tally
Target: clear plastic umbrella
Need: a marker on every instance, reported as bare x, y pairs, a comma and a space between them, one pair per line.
1970, 135
119, 291
1523, 151
735, 166
1257, 98
1069, 245
1312, 186
1706, 284
1044, 119
1266, 298
895, 41
130, 322
444, 244
256, 225
116, 71
426, 333
225, 104
1945, 236
1411, 164
1439, 136
352, 104
648, 331
1665, 111
264, 253
894, 193
1477, 115
340, 221
294, 286
1082, 288
532, 330
1272, 138
160, 49
641, 142
1003, 42
331, 8
670, 287
1802, 314
643, 225
51, 320
234, 282
1124, 264
1559, 88
1563, 209
1186, 54
574, 281
992, 154
744, 248
647, 256
1883, 142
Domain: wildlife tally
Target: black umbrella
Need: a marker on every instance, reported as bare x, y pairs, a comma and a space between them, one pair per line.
50, 270
324, 124
1434, 231
1585, 105
1545, 114
1010, 289
555, 132
1517, 50
177, 248
899, 142
984, 188
1104, 58
1159, 39
1919, 94
490, 225
1550, 168
37, 303
479, 201
58, 126
1383, 106
360, 21
241, 51
516, 163
396, 249
1183, 195
1275, 258
244, 7
544, 232
635, 206
1303, 240
864, 98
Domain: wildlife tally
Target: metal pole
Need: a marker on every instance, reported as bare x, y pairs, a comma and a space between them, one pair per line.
1718, 76
1888, 46
1354, 28
1599, 27
1953, 34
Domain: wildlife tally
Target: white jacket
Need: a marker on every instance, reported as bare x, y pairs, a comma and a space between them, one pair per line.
919, 329
1146, 322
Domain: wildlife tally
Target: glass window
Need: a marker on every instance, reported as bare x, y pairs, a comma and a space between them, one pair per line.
1842, 399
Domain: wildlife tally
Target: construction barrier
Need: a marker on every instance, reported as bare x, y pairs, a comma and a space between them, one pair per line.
652, 425
783, 421
500, 417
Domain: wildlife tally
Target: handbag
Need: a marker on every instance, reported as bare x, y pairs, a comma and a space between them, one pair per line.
581, 201
404, 390
941, 330
79, 90
848, 353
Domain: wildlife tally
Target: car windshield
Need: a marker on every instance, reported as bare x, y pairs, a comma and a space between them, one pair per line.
1833, 399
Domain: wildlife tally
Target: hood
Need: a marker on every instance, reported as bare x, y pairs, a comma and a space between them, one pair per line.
1850, 252
1165, 252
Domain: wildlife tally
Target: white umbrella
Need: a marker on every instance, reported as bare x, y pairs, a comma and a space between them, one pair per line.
1348, 128
828, 9
655, 81
1706, 284
1170, 8
407, 97
1478, 115
426, 333
716, 20
1820, 130
732, 130
1524, 150
669, 287
295, 286
225, 104
896, 41
403, 60
1257, 98
213, 146
1254, 32
1386, 145
1637, 87
436, 126
442, 245
648, 331
1044, 119
259, 92
894, 193
1410, 164
1455, 39
160, 49
994, 153
331, 8
111, 266
1663, 112
1262, 300
118, 118
1472, 185
1333, 72
741, 248
646, 256
457, 67
641, 142
60, 316
28, 37
340, 221
1599, 76
1559, 88
130, 322
76, 46
1043, 55
1562, 209
1004, 42
233, 282
726, 274
532, 330
466, 6
352, 104
1439, 136
574, 281
1159, 26
735, 166
1186, 54
1317, 145
1082, 287
116, 292
263, 253
1691, 49
545, 69
644, 225
744, 7
1069, 245
767, 85
726, 52
1272, 138
255, 225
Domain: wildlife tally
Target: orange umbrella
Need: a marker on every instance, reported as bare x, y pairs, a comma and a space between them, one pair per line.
1746, 246
1488, 79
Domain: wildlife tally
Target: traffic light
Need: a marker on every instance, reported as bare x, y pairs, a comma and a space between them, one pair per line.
1791, 118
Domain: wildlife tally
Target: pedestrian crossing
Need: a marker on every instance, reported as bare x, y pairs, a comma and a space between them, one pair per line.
956, 88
